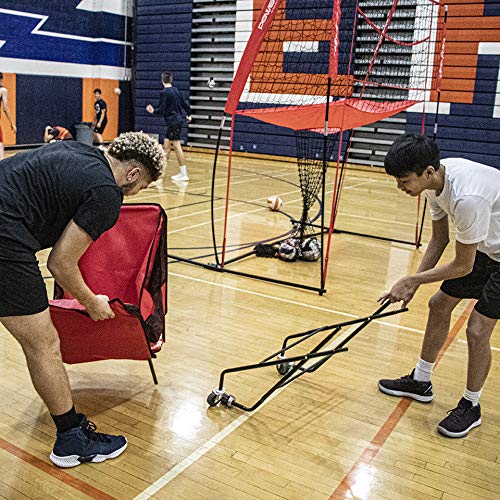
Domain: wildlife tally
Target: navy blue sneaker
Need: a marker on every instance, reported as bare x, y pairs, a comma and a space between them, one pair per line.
83, 444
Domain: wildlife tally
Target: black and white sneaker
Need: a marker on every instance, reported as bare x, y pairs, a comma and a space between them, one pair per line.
83, 444
460, 420
406, 386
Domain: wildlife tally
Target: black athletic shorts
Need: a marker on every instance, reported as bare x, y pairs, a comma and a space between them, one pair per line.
100, 130
174, 132
483, 284
22, 289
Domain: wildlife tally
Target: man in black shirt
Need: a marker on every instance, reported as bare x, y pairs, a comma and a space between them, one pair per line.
63, 195
171, 105
101, 117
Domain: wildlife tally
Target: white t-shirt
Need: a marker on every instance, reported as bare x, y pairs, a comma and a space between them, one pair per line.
471, 199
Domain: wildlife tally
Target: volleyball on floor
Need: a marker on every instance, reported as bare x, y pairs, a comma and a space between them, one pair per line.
274, 203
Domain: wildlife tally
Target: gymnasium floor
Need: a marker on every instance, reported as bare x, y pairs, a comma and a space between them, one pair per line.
330, 434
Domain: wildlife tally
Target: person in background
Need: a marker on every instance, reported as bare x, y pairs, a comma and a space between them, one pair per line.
170, 107
5, 105
55, 134
101, 117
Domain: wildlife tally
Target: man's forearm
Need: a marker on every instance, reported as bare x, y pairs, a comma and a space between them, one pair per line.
71, 280
432, 255
448, 271
7, 114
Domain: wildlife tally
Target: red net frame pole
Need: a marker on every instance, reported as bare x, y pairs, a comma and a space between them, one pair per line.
310, 114
228, 183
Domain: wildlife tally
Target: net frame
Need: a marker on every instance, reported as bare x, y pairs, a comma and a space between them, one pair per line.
264, 19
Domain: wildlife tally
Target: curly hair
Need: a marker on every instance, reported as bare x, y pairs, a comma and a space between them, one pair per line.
140, 147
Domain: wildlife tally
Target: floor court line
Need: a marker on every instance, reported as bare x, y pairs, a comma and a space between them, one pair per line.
241, 214
240, 180
231, 205
200, 452
288, 301
347, 487
53, 471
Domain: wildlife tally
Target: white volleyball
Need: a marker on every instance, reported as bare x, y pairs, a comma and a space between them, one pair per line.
274, 203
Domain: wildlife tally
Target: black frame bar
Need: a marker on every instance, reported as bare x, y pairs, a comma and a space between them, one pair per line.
298, 370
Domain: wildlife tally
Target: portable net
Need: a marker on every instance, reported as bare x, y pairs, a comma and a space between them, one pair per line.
319, 68
311, 169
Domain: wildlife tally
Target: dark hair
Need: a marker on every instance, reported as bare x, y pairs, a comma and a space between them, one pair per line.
1, 76
411, 153
167, 77
98, 90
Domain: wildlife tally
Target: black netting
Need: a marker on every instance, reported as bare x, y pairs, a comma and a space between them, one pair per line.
313, 151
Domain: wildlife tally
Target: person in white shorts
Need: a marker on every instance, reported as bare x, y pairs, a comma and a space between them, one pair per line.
466, 193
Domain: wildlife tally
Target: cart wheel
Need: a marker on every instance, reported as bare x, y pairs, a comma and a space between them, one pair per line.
214, 398
227, 400
284, 368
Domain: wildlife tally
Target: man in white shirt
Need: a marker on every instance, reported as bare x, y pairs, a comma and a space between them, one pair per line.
468, 194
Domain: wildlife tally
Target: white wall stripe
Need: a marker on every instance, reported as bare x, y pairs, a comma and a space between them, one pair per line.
118, 7
51, 68
43, 19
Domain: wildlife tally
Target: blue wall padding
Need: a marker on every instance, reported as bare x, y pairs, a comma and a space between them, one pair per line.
44, 100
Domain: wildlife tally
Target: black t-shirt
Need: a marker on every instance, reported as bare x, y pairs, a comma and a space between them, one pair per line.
41, 191
99, 106
171, 105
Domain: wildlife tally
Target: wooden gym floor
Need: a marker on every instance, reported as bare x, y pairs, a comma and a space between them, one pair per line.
329, 434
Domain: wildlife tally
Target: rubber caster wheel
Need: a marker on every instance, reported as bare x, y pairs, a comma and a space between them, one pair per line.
214, 398
284, 368
227, 400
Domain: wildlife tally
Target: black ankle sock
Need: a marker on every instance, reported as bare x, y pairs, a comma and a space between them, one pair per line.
67, 421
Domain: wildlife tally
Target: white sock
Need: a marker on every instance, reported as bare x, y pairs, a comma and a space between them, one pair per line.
183, 170
473, 397
423, 371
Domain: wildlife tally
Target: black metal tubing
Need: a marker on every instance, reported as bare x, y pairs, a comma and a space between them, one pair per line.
285, 379
273, 280
298, 370
194, 262
153, 373
212, 195
375, 237
214, 267
367, 319
304, 335
240, 257
218, 265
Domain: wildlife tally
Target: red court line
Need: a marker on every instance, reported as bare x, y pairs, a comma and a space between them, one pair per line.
51, 470
359, 468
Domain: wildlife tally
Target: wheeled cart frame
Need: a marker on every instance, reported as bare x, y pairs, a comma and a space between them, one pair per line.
291, 368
